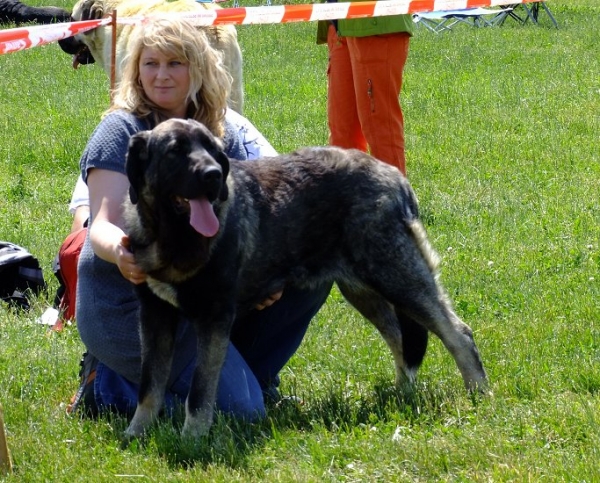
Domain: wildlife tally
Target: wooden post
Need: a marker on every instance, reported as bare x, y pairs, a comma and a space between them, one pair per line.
5, 461
113, 54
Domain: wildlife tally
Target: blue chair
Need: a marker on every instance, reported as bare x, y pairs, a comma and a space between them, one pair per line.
439, 21
531, 12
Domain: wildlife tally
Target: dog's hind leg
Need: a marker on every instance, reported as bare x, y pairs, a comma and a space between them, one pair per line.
403, 270
457, 337
406, 339
158, 324
423, 301
414, 344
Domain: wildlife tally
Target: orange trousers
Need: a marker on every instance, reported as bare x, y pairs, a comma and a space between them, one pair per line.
364, 82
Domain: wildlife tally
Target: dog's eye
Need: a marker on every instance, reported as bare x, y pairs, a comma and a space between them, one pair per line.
181, 205
178, 147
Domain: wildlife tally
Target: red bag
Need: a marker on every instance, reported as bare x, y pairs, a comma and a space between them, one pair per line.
68, 257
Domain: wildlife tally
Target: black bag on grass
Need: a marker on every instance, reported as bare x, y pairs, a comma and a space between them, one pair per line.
20, 275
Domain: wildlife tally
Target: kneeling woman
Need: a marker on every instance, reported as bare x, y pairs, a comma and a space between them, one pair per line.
171, 72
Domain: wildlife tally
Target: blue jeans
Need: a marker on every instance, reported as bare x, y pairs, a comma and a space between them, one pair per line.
261, 344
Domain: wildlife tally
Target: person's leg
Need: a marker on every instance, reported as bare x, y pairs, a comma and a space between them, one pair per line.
377, 66
239, 393
268, 338
113, 392
342, 116
262, 343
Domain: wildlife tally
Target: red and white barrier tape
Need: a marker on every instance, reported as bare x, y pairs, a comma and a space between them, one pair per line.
331, 11
12, 40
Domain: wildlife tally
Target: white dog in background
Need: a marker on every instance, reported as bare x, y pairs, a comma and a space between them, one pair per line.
95, 45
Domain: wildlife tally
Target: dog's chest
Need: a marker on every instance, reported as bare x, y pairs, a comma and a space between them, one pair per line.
165, 291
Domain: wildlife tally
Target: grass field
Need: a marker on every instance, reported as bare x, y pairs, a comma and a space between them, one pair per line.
503, 152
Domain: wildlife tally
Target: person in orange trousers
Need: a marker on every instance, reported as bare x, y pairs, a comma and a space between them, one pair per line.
366, 64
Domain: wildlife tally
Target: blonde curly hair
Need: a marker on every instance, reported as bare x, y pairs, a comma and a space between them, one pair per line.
209, 81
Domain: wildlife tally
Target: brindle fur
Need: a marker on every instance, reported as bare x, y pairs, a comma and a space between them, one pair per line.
314, 216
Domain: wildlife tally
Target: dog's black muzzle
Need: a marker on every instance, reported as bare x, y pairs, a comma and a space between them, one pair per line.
211, 182
206, 182
78, 49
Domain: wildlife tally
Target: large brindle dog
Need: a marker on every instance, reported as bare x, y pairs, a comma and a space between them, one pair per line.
216, 236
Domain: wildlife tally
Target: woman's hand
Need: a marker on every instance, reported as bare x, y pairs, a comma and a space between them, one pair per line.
127, 265
269, 301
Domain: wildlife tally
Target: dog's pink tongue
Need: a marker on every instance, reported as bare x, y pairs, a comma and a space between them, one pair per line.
203, 218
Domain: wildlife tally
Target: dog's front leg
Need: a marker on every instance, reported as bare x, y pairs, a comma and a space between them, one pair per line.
199, 407
158, 325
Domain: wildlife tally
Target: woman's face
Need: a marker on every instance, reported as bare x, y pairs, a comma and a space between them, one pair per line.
165, 80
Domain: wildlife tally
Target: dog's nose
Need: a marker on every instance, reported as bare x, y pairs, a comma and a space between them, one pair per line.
211, 180
211, 175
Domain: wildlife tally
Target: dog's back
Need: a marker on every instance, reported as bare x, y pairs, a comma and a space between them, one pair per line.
305, 216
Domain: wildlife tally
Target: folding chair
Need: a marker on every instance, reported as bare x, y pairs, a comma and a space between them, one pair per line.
441, 20
531, 12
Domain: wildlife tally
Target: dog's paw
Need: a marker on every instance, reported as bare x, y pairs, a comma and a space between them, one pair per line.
479, 389
132, 436
138, 425
195, 427
133, 433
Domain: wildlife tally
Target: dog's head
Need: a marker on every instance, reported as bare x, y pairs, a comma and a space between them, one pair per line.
76, 44
181, 164
78, 49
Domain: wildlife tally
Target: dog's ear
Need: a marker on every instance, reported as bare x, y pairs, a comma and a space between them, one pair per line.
223, 160
136, 162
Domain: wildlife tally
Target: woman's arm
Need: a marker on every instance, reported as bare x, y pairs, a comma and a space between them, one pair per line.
109, 242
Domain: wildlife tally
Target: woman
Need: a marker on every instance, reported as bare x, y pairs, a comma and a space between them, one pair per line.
171, 71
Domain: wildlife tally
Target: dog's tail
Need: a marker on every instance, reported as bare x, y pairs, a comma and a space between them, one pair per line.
429, 254
411, 218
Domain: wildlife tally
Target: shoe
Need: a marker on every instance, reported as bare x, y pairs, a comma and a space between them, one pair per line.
289, 402
84, 399
273, 397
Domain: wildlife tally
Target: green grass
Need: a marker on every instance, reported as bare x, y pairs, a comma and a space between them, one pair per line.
503, 152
